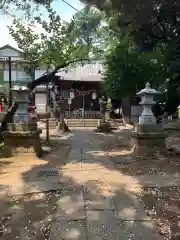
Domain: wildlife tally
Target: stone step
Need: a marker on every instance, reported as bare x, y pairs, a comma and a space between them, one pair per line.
82, 122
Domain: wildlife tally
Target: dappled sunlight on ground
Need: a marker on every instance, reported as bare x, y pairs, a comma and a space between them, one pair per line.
75, 191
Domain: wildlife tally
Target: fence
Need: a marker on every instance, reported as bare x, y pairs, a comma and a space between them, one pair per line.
83, 114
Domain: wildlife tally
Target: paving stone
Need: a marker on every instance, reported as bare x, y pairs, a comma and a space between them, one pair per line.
104, 225
79, 177
98, 198
70, 204
93, 166
72, 166
128, 206
68, 230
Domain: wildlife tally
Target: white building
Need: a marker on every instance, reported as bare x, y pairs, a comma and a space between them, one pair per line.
19, 76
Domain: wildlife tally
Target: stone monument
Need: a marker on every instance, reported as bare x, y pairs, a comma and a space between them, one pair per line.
104, 126
22, 135
62, 126
148, 137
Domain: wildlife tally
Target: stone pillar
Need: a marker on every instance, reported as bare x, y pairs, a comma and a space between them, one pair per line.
102, 103
62, 126
104, 125
148, 137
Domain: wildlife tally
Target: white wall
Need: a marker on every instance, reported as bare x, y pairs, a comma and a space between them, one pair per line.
39, 73
40, 102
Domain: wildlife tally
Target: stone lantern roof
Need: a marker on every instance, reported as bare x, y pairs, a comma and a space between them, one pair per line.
148, 91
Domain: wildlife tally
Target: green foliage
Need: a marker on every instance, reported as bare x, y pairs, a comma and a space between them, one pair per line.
50, 47
85, 29
127, 70
29, 43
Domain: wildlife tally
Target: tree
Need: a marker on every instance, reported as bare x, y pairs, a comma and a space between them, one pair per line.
29, 43
85, 29
50, 47
26, 6
127, 70
151, 24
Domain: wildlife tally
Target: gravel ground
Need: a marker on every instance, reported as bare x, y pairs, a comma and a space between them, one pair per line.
163, 205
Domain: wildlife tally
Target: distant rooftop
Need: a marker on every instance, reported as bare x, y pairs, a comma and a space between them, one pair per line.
88, 72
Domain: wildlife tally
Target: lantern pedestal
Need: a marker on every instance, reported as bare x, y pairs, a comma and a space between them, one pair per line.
22, 136
62, 127
104, 127
148, 138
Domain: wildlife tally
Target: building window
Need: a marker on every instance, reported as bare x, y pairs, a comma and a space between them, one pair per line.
22, 76
65, 93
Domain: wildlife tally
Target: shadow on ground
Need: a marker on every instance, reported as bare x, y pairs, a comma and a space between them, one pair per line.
73, 193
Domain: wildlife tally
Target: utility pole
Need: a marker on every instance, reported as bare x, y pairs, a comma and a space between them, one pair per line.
10, 82
47, 117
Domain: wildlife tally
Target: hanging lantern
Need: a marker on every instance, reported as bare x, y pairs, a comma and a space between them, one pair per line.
94, 95
71, 94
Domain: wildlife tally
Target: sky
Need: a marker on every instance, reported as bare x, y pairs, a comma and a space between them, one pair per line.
65, 11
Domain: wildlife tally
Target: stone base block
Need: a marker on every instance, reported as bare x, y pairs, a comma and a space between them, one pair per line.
148, 128
148, 144
104, 128
23, 142
62, 127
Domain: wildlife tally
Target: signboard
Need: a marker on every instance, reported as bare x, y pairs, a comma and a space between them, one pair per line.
41, 108
69, 101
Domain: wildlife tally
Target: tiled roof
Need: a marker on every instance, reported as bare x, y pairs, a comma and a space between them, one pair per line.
88, 72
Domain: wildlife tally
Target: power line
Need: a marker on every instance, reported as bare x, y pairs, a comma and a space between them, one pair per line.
77, 10
71, 6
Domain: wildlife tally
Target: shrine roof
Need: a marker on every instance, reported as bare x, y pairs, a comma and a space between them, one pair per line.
87, 73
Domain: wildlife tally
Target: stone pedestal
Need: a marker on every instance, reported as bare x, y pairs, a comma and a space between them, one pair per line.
147, 140
148, 137
23, 138
62, 126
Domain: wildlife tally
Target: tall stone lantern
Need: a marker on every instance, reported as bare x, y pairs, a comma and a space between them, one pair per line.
22, 135
20, 95
147, 101
148, 137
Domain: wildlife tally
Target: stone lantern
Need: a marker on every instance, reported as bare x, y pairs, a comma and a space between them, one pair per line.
178, 109
147, 101
22, 135
148, 137
103, 126
20, 95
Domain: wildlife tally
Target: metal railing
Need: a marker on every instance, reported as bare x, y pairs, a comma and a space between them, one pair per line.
82, 114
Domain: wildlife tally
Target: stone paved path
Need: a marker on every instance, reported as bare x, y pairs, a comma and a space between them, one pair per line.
96, 203
94, 200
